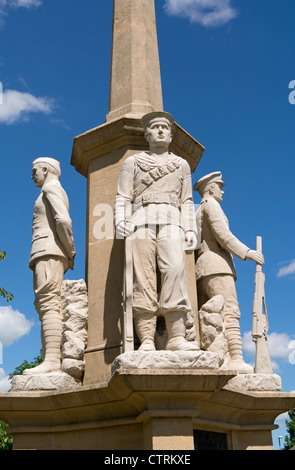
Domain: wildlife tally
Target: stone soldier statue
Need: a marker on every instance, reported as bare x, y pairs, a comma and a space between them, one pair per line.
157, 184
52, 254
215, 270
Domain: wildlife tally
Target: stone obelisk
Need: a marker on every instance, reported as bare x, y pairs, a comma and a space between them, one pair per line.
135, 90
135, 85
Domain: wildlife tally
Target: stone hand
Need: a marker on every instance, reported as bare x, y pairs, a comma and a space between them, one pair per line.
71, 263
124, 229
256, 256
191, 241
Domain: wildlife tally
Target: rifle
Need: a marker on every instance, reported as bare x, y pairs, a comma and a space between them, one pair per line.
128, 333
260, 321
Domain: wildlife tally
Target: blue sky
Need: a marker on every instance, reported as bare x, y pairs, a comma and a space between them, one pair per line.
226, 71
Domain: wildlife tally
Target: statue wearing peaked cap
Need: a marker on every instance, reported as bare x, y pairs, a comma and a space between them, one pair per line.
157, 186
52, 254
215, 270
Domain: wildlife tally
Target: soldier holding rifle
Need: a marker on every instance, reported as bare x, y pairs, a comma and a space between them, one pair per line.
215, 270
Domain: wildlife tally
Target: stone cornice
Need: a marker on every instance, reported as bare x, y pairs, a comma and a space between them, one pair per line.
128, 133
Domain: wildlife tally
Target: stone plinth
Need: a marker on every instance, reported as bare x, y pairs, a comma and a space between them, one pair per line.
254, 382
163, 360
144, 410
53, 381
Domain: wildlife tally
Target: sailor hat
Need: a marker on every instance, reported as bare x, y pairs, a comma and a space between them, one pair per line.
49, 161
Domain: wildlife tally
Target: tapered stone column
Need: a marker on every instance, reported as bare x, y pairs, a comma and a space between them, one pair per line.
135, 86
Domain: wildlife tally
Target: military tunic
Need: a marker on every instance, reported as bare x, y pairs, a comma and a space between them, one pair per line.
159, 192
215, 270
53, 247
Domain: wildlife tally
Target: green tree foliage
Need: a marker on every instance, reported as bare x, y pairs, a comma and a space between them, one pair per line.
6, 441
26, 365
290, 425
4, 293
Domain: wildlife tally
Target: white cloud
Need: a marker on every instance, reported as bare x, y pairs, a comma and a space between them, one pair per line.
18, 105
5, 5
288, 269
60, 122
4, 382
248, 344
209, 13
25, 3
280, 346
281, 419
2, 12
13, 325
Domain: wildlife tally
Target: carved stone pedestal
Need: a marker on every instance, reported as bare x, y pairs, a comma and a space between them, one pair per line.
163, 360
159, 409
254, 382
53, 381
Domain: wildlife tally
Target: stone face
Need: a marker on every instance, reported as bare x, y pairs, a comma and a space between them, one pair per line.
166, 360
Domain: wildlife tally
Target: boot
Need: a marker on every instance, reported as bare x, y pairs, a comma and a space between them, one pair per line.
145, 325
236, 361
176, 329
51, 340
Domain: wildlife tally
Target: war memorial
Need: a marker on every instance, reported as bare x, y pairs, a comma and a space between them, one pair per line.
145, 353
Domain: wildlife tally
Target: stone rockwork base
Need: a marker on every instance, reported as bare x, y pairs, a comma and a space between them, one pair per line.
256, 382
53, 381
195, 360
166, 360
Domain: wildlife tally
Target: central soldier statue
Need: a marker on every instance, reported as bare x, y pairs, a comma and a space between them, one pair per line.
154, 206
